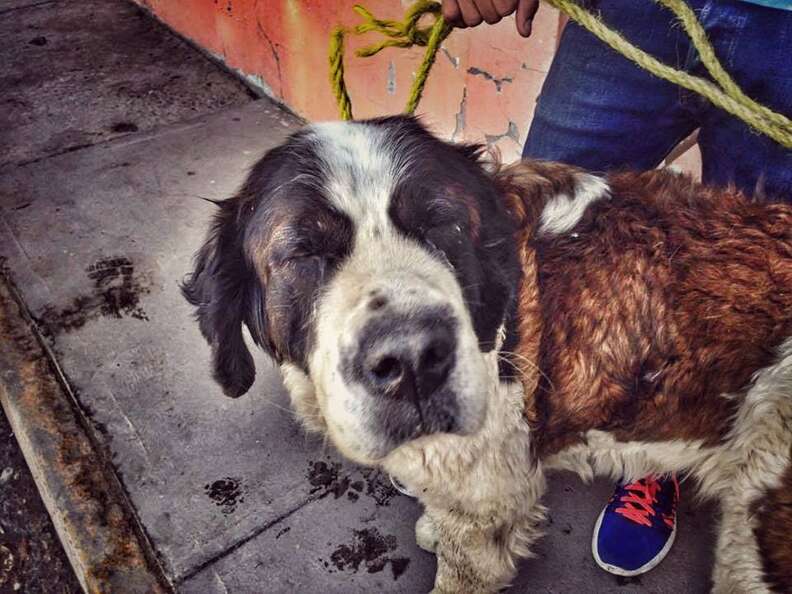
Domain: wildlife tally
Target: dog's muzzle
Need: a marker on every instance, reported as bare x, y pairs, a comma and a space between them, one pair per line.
405, 360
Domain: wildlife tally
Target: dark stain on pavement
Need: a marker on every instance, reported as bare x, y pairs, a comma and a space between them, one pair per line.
379, 487
356, 488
368, 550
226, 493
282, 531
115, 293
325, 479
124, 127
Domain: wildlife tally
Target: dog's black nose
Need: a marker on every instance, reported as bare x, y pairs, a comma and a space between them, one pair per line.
415, 369
407, 357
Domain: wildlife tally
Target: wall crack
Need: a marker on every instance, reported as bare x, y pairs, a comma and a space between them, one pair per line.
498, 82
459, 127
453, 59
273, 50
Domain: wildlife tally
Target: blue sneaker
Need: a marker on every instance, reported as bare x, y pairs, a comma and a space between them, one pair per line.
636, 529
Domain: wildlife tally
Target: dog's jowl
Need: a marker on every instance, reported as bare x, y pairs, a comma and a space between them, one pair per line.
467, 327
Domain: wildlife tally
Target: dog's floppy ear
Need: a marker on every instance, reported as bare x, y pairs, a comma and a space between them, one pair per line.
227, 293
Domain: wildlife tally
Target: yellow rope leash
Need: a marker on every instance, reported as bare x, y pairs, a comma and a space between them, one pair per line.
726, 94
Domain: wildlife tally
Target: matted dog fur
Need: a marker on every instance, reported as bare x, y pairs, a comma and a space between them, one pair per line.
469, 327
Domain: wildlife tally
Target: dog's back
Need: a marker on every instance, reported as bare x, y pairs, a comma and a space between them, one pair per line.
661, 299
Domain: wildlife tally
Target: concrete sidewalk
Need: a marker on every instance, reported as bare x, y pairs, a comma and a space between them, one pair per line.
231, 495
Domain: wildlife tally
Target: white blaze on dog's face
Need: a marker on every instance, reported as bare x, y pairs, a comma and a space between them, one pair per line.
375, 263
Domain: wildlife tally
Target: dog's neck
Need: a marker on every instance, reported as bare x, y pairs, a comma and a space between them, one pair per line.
522, 351
527, 186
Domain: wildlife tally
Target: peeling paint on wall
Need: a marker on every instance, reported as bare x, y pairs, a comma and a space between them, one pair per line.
512, 132
391, 78
459, 128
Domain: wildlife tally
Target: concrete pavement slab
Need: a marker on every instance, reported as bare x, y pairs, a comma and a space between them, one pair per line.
350, 540
77, 73
230, 492
7, 6
97, 241
62, 76
357, 546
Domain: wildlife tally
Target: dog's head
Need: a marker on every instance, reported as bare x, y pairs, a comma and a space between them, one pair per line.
375, 263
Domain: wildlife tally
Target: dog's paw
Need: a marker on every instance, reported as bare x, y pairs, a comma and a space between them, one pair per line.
426, 533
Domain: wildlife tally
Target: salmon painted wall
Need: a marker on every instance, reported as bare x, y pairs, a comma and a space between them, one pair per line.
483, 86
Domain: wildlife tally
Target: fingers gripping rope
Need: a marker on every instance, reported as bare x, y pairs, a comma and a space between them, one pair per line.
723, 93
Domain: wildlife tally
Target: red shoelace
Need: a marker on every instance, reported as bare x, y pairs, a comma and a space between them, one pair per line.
640, 499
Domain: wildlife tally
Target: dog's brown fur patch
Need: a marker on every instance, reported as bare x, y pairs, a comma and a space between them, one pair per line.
667, 296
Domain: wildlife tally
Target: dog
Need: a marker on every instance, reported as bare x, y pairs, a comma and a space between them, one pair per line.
468, 326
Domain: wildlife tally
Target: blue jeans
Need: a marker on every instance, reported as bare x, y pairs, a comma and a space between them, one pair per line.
599, 111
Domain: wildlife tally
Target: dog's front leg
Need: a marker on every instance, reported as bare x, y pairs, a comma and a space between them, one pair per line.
471, 556
478, 553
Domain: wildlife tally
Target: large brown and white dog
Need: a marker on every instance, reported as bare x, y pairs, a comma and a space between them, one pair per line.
468, 328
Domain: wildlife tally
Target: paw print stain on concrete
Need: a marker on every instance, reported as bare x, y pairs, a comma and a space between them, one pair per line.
117, 288
368, 550
356, 489
379, 487
326, 478
226, 493
116, 293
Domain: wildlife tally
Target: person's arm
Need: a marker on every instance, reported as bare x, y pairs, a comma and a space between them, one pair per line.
469, 13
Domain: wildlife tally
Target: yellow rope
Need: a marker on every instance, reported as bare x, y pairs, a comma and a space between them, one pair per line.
726, 94
337, 73
404, 33
697, 35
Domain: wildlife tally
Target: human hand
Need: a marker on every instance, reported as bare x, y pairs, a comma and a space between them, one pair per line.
469, 13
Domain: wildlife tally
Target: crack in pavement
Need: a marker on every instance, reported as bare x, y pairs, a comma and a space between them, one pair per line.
243, 541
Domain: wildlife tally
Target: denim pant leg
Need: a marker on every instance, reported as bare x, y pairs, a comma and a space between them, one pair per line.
754, 43
597, 109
